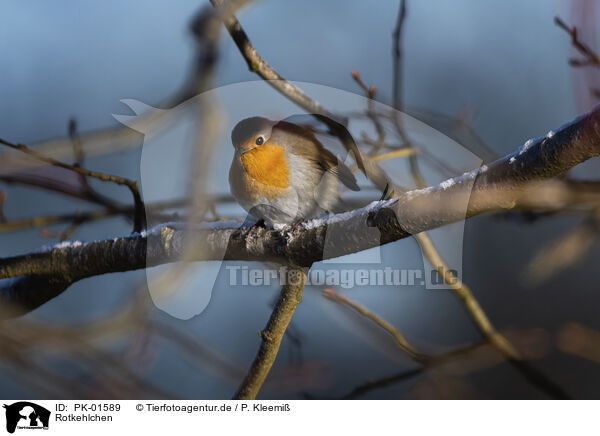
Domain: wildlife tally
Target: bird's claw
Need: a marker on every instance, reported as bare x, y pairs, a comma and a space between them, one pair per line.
254, 228
297, 224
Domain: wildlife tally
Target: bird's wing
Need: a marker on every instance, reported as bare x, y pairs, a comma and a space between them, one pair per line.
309, 147
326, 127
339, 168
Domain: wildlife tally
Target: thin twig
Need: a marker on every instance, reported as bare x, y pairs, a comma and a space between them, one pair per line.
397, 56
535, 377
77, 143
85, 217
565, 251
496, 339
427, 246
401, 341
371, 113
3, 218
258, 65
403, 152
591, 57
466, 296
397, 91
131, 184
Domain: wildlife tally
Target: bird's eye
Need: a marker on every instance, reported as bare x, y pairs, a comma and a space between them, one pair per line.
260, 140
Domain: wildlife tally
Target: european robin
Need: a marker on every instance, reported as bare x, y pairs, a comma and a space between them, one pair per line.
282, 174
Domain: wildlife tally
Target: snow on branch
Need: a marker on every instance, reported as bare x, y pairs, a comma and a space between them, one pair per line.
497, 186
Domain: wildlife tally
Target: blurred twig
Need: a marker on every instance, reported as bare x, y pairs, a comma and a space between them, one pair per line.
3, 218
371, 114
476, 354
152, 210
397, 56
565, 251
132, 185
402, 343
590, 56
579, 340
466, 296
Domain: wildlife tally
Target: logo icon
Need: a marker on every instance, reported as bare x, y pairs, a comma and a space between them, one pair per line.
26, 415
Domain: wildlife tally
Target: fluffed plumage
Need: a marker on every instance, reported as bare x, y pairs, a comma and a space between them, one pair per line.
282, 173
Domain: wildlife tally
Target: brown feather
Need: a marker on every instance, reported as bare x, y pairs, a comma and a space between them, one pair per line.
306, 145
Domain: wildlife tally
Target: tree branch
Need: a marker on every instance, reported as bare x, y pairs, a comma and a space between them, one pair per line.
399, 338
335, 123
590, 56
131, 184
289, 298
498, 186
258, 65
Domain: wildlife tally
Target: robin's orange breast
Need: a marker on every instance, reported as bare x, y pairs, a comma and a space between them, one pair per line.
267, 165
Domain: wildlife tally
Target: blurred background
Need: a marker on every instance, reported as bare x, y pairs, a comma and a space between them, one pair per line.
501, 67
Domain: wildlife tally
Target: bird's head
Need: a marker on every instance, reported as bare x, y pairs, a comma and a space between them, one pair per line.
262, 159
251, 133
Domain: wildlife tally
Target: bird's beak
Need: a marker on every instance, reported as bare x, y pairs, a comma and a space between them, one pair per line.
246, 150
246, 146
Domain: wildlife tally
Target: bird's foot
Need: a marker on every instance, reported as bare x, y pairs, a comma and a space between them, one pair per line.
296, 225
260, 224
256, 227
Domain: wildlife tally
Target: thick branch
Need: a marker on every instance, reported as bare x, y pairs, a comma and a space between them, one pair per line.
497, 186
